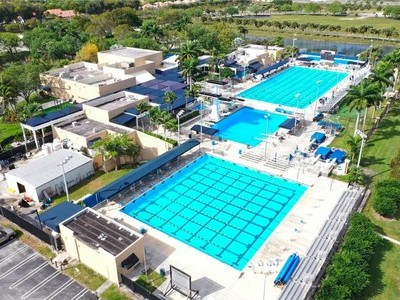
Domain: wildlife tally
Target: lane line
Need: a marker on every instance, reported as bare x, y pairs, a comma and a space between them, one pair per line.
38, 286
27, 276
12, 255
19, 265
59, 289
80, 294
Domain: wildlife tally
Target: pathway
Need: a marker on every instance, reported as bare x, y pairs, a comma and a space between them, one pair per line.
389, 239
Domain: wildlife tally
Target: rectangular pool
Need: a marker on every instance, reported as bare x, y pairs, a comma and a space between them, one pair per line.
248, 126
295, 86
220, 208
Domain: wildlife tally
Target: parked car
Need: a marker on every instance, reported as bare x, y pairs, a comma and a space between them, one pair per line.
6, 234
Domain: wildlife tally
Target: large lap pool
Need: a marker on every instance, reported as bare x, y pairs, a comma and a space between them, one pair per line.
248, 126
220, 208
295, 86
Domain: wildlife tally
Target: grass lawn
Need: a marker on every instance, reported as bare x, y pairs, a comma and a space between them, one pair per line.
385, 274
85, 276
154, 280
30, 240
8, 130
114, 293
92, 184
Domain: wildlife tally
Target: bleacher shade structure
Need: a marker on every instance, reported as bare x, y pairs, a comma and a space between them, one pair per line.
204, 129
272, 67
54, 216
139, 173
289, 124
35, 121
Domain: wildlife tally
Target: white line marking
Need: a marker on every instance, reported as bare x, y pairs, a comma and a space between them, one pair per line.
80, 294
38, 286
19, 265
12, 255
60, 289
27, 276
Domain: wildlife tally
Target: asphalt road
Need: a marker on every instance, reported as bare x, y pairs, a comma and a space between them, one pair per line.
24, 274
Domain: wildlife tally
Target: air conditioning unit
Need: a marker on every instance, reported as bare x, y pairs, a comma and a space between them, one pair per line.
78, 77
94, 130
74, 124
64, 74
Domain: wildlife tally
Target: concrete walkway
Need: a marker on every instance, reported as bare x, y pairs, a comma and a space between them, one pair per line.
103, 287
389, 239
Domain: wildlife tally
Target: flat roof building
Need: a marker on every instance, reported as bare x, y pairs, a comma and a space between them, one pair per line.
108, 247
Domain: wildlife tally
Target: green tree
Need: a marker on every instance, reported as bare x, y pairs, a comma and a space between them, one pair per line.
143, 107
8, 97
151, 29
336, 8
9, 41
231, 11
354, 142
169, 98
188, 50
189, 68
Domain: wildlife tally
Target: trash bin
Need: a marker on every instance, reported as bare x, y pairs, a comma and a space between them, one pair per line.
190, 135
240, 151
162, 272
142, 230
213, 143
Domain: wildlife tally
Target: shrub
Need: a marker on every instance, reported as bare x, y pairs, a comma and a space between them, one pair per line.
385, 200
385, 206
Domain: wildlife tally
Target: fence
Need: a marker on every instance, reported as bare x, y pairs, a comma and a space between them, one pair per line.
39, 233
22, 150
138, 289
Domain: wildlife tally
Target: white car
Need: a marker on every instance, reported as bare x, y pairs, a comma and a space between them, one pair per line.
6, 234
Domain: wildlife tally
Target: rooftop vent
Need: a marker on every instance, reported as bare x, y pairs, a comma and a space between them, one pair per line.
74, 124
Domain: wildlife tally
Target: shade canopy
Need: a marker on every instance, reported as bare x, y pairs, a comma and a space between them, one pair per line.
318, 137
54, 216
339, 155
204, 129
324, 152
289, 124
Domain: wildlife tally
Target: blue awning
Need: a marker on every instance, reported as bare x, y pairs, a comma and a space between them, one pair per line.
272, 67
332, 125
319, 137
289, 124
323, 151
205, 129
135, 175
339, 155
133, 111
53, 216
255, 65
123, 119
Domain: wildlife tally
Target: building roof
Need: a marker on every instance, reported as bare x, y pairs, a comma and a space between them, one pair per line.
98, 231
130, 52
44, 169
54, 216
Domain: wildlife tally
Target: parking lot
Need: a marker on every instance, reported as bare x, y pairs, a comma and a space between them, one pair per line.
24, 274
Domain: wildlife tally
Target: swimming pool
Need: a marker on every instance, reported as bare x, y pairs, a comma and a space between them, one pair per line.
220, 208
295, 86
248, 126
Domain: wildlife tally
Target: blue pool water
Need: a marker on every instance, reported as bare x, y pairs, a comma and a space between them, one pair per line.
222, 209
248, 126
295, 86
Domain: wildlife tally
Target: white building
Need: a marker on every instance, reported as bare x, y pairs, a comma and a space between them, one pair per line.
43, 177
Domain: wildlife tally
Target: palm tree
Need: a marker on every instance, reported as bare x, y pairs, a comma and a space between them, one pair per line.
360, 97
188, 50
182, 23
143, 107
354, 143
151, 29
188, 68
381, 74
243, 31
169, 98
154, 114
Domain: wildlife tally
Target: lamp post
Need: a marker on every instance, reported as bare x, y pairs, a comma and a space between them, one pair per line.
318, 82
201, 100
297, 96
178, 116
61, 164
363, 137
294, 39
267, 116
370, 53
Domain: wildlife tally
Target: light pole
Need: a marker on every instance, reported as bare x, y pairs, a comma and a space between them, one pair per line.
370, 53
294, 39
297, 96
61, 164
267, 116
318, 82
219, 71
201, 100
363, 137
178, 116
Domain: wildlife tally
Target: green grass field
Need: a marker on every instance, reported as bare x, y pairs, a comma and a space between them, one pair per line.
114, 293
8, 130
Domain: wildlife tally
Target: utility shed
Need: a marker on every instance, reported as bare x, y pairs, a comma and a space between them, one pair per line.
106, 246
43, 177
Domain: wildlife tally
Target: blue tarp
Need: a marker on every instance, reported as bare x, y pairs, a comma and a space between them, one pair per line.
319, 137
53, 216
135, 175
323, 151
205, 129
340, 155
289, 124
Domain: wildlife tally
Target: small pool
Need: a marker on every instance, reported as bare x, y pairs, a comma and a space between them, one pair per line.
220, 208
297, 87
248, 126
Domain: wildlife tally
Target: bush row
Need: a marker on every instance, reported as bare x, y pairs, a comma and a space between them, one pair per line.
348, 272
386, 200
168, 140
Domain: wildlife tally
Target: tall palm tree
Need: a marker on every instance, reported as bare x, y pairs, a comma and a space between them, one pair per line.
143, 107
188, 68
182, 23
154, 114
169, 98
381, 74
188, 50
151, 29
360, 97
354, 143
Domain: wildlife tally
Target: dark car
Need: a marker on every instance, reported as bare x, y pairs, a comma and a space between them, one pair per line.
318, 117
6, 234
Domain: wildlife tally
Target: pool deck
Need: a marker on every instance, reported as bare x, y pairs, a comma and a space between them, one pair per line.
296, 233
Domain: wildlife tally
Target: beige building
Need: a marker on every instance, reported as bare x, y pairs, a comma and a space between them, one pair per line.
107, 247
116, 70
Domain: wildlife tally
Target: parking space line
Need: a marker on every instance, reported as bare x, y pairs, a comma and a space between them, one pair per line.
38, 286
80, 294
12, 255
60, 289
19, 265
26, 277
